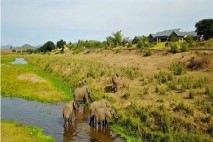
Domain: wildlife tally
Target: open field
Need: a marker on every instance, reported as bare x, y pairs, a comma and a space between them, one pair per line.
162, 97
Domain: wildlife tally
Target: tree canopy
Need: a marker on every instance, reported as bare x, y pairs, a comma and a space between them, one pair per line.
60, 44
48, 46
205, 27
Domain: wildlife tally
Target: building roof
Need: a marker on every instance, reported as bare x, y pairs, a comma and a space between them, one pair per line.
176, 31
127, 39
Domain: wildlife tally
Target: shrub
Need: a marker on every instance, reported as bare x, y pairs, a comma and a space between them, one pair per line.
174, 47
177, 69
129, 45
184, 47
161, 77
148, 52
139, 44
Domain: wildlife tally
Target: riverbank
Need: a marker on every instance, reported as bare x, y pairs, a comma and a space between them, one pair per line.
30, 82
159, 97
15, 132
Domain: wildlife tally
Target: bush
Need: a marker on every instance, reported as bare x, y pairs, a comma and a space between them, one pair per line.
177, 69
139, 44
148, 52
174, 47
184, 47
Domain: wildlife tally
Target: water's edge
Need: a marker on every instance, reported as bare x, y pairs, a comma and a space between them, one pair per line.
48, 116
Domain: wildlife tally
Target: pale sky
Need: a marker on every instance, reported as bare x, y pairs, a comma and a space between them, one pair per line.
37, 21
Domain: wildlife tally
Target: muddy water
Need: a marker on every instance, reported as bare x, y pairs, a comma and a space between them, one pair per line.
49, 117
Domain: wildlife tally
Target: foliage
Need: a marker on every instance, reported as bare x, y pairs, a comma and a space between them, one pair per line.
177, 69
114, 40
13, 50
148, 52
184, 47
47, 47
205, 27
189, 39
60, 44
174, 47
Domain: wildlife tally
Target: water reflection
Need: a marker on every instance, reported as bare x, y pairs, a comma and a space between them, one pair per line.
19, 61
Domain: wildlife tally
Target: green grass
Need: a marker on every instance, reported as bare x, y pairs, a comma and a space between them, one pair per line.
52, 90
14, 132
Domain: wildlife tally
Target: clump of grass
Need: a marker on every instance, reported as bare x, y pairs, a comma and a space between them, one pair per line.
146, 90
209, 92
126, 95
184, 107
177, 69
192, 94
161, 77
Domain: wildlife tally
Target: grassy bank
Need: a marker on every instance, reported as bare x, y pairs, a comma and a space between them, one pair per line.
157, 100
30, 82
15, 132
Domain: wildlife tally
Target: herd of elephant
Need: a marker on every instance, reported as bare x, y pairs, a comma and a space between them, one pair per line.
100, 111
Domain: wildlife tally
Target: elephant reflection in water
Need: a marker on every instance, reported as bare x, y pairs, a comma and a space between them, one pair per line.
69, 132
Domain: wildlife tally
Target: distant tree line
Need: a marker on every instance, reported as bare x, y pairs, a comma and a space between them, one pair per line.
203, 27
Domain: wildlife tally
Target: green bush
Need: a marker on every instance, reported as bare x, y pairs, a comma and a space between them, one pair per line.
177, 69
148, 52
174, 47
184, 47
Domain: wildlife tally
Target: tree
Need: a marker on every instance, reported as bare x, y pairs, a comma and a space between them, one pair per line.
48, 46
115, 39
205, 27
60, 44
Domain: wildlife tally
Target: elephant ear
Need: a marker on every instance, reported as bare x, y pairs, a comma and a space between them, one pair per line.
108, 113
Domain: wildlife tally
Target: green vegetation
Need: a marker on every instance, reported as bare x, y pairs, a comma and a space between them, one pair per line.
21, 81
15, 132
205, 27
147, 118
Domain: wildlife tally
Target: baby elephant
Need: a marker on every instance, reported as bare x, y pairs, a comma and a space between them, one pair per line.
115, 82
82, 93
96, 105
81, 83
68, 111
104, 115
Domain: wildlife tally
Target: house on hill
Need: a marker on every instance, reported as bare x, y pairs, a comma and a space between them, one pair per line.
167, 35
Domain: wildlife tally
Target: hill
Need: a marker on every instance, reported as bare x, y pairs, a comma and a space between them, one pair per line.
25, 47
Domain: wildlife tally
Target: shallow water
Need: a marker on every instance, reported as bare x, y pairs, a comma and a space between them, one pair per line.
48, 116
19, 61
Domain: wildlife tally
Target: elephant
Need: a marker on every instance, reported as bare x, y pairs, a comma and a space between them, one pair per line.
104, 115
81, 83
82, 93
115, 82
68, 110
96, 105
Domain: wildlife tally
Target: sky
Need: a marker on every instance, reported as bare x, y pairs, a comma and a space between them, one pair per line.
37, 21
